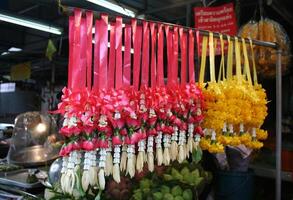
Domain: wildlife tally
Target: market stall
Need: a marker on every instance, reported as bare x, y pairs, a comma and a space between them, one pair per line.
145, 105
126, 115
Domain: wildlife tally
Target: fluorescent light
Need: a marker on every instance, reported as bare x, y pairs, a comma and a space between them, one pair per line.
14, 49
140, 17
7, 77
30, 23
5, 53
114, 7
11, 49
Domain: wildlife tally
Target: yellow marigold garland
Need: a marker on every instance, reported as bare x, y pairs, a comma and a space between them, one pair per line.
234, 103
211, 146
245, 138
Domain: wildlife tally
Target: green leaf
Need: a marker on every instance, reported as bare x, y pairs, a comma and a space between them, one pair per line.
51, 49
78, 183
58, 197
98, 197
196, 155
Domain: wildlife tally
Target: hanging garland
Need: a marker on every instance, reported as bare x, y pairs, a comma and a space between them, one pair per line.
235, 107
120, 114
118, 121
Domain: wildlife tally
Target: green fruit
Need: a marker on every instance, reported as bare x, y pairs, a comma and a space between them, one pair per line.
145, 183
176, 175
195, 173
206, 173
176, 191
158, 196
187, 194
178, 198
174, 172
168, 196
165, 189
198, 181
137, 190
137, 196
185, 171
186, 177
146, 190
194, 176
185, 162
208, 176
179, 178
167, 177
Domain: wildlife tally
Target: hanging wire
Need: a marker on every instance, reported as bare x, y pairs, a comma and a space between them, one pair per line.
62, 8
261, 10
205, 4
212, 2
253, 19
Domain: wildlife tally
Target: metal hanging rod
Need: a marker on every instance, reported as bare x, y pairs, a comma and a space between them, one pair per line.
127, 20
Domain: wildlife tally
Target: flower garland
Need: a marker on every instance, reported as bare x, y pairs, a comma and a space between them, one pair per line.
120, 130
234, 110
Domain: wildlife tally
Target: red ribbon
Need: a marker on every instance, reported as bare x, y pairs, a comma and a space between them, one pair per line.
153, 54
118, 48
89, 47
183, 44
136, 33
96, 57
169, 36
103, 31
70, 61
199, 42
76, 50
160, 64
191, 56
175, 57
146, 54
127, 55
111, 72
82, 59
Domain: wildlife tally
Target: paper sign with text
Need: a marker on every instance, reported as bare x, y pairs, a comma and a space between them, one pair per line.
219, 19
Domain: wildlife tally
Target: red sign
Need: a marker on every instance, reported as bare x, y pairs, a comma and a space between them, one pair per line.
217, 19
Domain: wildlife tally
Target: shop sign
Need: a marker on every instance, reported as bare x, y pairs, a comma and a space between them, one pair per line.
7, 87
219, 19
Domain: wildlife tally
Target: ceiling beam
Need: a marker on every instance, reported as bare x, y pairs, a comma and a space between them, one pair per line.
281, 10
173, 5
188, 15
146, 3
137, 5
28, 9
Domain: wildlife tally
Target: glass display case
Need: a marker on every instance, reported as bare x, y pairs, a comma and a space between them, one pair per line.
35, 140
